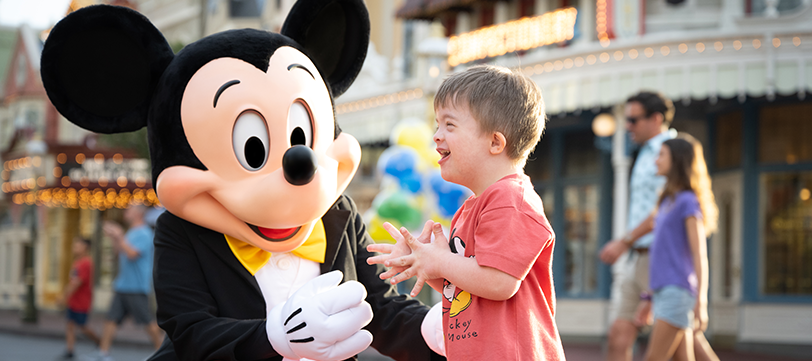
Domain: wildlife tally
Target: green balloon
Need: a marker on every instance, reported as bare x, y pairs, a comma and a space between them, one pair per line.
402, 208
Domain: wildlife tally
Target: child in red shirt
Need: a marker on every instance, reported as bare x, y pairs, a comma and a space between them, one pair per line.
79, 294
495, 273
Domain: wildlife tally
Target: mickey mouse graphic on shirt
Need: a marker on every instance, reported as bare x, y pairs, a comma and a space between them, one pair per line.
250, 164
459, 299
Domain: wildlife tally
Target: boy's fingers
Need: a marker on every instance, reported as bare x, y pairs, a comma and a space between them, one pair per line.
425, 235
376, 260
399, 262
380, 247
417, 287
409, 239
391, 273
392, 231
438, 231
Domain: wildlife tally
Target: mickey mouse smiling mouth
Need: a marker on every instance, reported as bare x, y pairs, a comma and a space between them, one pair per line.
273, 234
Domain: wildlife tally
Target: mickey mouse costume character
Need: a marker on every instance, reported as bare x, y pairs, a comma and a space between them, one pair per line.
250, 164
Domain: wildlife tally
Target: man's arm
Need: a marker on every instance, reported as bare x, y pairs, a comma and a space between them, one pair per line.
120, 243
612, 250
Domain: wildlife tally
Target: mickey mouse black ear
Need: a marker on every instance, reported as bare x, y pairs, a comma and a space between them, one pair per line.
100, 66
335, 34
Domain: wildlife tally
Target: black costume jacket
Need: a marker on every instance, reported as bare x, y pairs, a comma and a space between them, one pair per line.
212, 307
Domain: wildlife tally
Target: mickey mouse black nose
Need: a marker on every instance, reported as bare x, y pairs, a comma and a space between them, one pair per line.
299, 164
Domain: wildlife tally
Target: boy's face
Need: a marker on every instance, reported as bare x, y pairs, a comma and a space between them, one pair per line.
461, 144
79, 247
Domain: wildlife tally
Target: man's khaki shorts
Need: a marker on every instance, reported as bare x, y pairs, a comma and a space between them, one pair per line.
632, 282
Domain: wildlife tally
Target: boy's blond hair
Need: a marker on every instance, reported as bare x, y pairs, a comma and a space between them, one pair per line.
500, 100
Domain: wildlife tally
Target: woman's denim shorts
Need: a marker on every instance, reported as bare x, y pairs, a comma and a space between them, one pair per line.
675, 305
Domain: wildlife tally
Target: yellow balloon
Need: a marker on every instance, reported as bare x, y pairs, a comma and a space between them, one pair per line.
413, 134
429, 156
377, 232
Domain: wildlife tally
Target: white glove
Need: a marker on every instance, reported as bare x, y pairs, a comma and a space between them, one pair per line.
432, 329
321, 321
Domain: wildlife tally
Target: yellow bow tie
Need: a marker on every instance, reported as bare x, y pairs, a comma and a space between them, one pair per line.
253, 258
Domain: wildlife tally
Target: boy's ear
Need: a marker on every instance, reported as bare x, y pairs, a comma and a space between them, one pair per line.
335, 34
498, 143
100, 66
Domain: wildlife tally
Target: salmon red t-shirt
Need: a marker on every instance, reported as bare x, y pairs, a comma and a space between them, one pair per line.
504, 228
80, 300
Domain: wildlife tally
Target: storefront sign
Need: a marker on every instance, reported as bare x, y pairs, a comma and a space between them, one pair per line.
523, 34
133, 170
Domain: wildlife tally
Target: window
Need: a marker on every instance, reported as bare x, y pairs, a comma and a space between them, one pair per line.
728, 141
725, 236
450, 24
527, 8
539, 163
369, 161
486, 15
245, 8
581, 158
581, 231
784, 133
786, 228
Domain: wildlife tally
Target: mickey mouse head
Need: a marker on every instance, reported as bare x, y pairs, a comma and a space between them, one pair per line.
242, 130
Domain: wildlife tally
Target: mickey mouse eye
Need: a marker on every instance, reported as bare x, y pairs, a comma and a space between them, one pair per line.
250, 140
300, 125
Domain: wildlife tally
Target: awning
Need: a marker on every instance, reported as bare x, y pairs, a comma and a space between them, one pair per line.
702, 68
414, 10
436, 6
429, 9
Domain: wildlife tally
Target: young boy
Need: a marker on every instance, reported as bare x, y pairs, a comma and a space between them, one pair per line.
79, 293
495, 274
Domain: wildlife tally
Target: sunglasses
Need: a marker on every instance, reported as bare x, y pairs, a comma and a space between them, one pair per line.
634, 120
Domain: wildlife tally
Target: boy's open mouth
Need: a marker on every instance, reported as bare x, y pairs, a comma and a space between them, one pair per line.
443, 154
273, 234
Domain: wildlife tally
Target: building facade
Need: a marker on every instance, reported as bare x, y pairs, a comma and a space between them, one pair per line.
58, 182
738, 72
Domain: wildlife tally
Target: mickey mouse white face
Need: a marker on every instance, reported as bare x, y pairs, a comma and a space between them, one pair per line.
243, 124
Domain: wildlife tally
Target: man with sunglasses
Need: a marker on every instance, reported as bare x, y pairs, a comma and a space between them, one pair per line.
648, 116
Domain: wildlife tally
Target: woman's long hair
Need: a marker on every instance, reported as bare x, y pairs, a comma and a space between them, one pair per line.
689, 172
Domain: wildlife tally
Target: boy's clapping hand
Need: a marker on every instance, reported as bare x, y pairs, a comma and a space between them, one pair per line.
399, 249
423, 258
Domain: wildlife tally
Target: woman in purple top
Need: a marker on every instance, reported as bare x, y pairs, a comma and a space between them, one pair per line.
678, 256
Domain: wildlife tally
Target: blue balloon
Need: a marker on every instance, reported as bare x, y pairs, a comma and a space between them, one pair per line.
400, 162
411, 182
450, 196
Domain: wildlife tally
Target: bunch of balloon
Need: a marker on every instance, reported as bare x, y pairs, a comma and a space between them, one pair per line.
412, 190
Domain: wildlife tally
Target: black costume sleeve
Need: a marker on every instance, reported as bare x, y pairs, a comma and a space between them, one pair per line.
397, 318
188, 311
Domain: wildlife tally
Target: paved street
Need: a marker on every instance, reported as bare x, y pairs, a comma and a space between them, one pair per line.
44, 348
44, 342
32, 348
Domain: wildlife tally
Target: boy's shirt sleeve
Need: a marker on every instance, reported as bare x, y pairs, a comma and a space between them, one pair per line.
510, 240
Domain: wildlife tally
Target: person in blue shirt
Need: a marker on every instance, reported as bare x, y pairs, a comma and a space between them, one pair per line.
133, 284
648, 116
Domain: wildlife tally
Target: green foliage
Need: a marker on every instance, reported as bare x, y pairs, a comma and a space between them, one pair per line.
136, 141
176, 46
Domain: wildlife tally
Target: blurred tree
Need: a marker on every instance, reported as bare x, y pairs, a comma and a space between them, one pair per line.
136, 141
176, 46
